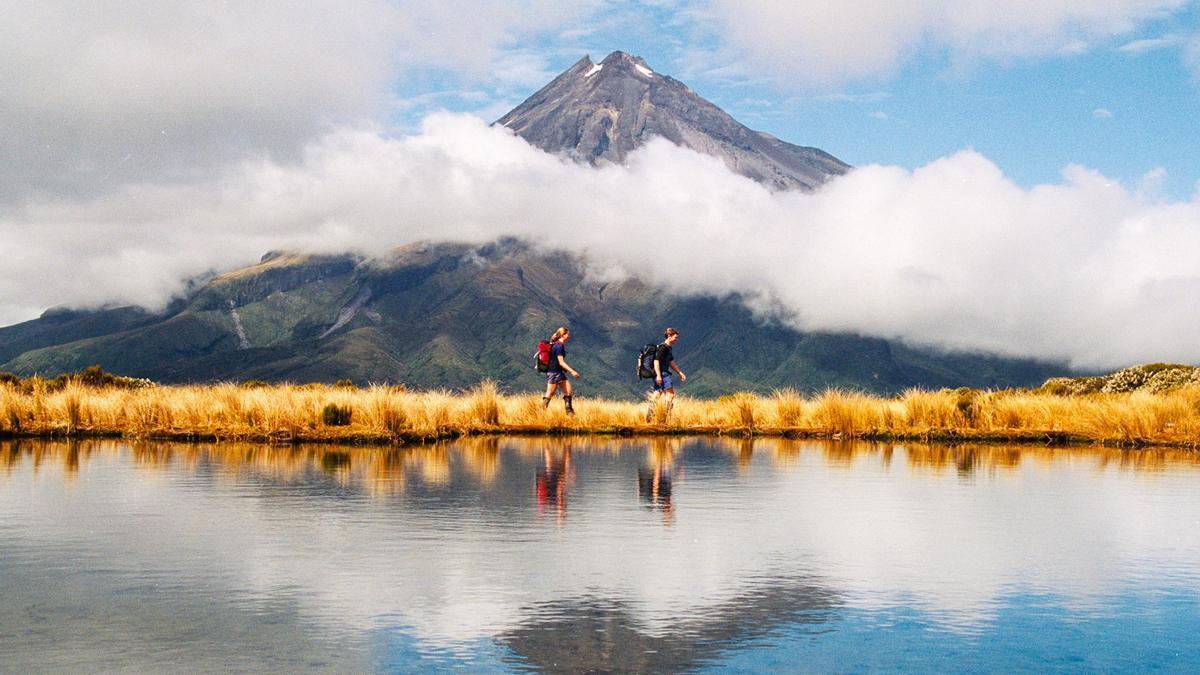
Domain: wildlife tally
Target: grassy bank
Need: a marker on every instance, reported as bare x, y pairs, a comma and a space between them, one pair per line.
383, 414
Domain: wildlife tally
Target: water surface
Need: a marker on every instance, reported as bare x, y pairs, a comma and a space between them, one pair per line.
551, 554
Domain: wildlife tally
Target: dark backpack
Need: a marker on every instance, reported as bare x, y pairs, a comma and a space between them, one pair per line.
646, 361
541, 358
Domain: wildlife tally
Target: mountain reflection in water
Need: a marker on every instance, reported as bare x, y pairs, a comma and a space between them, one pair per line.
654, 554
574, 635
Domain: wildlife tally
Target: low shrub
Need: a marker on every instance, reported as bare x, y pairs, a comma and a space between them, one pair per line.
335, 415
964, 402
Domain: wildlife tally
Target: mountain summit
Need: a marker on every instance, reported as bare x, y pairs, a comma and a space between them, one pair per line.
597, 112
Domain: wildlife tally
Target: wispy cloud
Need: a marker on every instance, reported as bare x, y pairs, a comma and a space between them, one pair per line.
847, 97
1191, 55
1151, 44
1102, 113
808, 42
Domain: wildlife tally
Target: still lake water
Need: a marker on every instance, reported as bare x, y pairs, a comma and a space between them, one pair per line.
522, 554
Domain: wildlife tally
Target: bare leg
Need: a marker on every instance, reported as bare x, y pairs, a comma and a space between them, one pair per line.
567, 389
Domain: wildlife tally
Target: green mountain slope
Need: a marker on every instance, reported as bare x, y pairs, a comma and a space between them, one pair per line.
449, 315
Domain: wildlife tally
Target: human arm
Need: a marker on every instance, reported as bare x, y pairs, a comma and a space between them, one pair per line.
678, 371
563, 362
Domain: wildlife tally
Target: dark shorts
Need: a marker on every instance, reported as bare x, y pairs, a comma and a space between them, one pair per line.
556, 377
666, 383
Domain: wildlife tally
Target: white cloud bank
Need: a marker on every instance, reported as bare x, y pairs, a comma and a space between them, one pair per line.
811, 41
99, 94
951, 254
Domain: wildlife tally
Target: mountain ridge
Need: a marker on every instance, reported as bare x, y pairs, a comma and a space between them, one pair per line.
449, 315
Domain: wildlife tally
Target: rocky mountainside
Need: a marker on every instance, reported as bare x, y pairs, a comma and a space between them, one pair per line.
597, 112
449, 315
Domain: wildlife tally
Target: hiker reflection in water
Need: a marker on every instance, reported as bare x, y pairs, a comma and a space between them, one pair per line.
656, 477
555, 476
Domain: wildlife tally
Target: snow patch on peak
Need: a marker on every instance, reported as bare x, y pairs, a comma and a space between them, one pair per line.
644, 70
595, 69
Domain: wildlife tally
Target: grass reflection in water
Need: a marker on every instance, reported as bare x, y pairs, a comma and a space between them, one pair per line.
387, 470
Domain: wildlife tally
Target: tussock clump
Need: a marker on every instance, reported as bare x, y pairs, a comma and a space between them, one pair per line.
434, 414
388, 410
930, 409
741, 407
789, 407
527, 410
964, 402
846, 413
71, 401
334, 415
483, 404
13, 408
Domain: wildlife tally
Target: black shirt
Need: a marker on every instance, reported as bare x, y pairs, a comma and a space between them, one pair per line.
664, 355
556, 350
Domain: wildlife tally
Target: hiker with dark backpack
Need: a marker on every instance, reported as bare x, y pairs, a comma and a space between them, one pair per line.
551, 359
658, 365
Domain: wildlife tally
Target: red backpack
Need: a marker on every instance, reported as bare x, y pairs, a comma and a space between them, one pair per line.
541, 358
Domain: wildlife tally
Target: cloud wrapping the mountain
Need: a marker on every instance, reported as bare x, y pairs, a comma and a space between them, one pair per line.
827, 42
951, 254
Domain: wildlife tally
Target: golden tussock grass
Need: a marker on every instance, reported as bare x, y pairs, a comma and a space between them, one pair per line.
386, 414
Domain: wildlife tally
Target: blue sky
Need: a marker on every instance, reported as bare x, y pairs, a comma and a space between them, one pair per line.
1123, 102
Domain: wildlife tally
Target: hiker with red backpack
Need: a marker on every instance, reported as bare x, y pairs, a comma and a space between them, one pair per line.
551, 359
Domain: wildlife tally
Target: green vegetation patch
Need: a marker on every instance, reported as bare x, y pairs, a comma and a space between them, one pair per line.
92, 376
1152, 377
